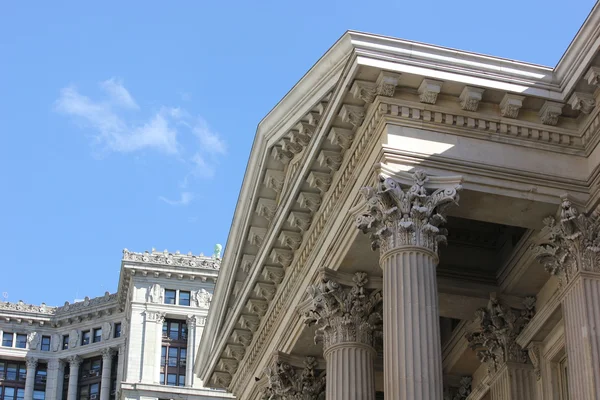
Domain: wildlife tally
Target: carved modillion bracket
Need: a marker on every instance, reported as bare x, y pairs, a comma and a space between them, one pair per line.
429, 90
510, 105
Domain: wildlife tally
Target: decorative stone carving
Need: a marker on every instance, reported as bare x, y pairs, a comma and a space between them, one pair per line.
281, 155
550, 112
319, 180
592, 76
534, 352
299, 220
249, 322
289, 239
367, 91
274, 179
33, 339
395, 217
282, 257
265, 290
344, 315
155, 294
74, 361
247, 261
463, 391
583, 102
258, 307
470, 97
499, 326
107, 354
256, 236
354, 115
305, 128
203, 298
55, 342
242, 337
569, 245
161, 258
312, 201
272, 274
235, 351
228, 365
155, 316
363, 90
22, 307
429, 90
510, 105
330, 159
301, 139
341, 137
31, 362
266, 208
387, 83
106, 330
290, 146
73, 338
221, 379
287, 383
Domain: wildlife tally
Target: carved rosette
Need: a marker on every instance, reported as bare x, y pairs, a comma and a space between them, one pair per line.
499, 326
345, 315
570, 244
397, 217
287, 383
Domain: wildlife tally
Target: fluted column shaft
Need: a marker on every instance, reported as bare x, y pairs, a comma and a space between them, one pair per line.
581, 310
55, 377
191, 345
30, 377
107, 356
513, 382
74, 364
411, 328
350, 373
158, 348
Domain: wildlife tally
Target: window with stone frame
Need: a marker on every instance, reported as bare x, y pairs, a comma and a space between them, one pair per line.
170, 296
45, 343
85, 338
97, 335
12, 393
21, 341
117, 330
173, 353
39, 386
65, 342
12, 379
7, 339
90, 376
184, 298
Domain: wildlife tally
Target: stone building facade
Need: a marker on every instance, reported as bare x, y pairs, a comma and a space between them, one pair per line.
418, 223
138, 343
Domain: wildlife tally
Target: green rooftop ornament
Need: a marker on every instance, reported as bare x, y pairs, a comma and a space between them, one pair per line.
218, 249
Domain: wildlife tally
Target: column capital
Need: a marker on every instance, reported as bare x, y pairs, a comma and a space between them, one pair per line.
570, 244
344, 314
397, 218
55, 363
31, 362
107, 353
74, 361
498, 326
286, 382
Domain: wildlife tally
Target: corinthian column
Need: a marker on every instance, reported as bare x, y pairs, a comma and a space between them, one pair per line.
32, 363
405, 226
512, 374
74, 363
289, 382
570, 249
346, 319
107, 356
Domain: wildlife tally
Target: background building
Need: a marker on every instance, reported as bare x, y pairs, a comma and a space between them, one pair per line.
371, 150
139, 343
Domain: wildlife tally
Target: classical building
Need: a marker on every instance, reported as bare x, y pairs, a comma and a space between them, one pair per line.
353, 270
138, 343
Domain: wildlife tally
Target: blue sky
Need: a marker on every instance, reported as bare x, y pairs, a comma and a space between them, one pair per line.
129, 124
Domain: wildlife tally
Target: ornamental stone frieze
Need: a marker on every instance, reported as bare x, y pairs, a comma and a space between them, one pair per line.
176, 259
494, 340
286, 382
367, 91
345, 314
570, 244
341, 137
353, 115
291, 240
462, 392
397, 217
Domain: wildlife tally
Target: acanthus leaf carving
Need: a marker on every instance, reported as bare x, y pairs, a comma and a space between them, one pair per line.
363, 90
242, 337
534, 351
470, 97
258, 307
429, 90
569, 245
330, 159
272, 274
235, 351
353, 115
583, 102
291, 240
281, 155
341, 137
550, 112
462, 392
498, 327
319, 180
282, 257
343, 314
265, 290
274, 179
510, 105
247, 262
256, 236
249, 322
312, 201
299, 220
290, 146
287, 383
266, 208
395, 217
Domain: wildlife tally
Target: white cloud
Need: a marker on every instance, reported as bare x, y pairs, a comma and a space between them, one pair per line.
209, 140
118, 93
184, 200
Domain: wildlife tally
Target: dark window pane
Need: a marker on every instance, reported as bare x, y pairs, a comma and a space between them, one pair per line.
184, 331
85, 338
173, 357
184, 298
65, 343
165, 329
21, 341
163, 356
182, 357
174, 331
172, 379
45, 346
170, 296
181, 380
7, 339
117, 330
11, 372
96, 365
97, 335
94, 388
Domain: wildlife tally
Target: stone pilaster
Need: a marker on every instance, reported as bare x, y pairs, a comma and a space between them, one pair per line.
120, 368
31, 363
346, 320
191, 350
74, 364
288, 383
55, 378
570, 249
405, 225
494, 340
107, 356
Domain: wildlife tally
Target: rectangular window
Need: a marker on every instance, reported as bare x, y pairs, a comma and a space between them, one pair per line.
117, 330
174, 331
65, 342
173, 356
182, 357
21, 341
39, 395
85, 338
11, 372
181, 380
45, 346
97, 335
163, 356
7, 339
172, 379
184, 298
22, 373
162, 379
170, 296
96, 365
20, 394
41, 374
